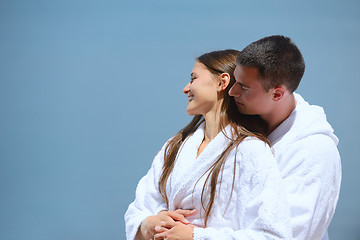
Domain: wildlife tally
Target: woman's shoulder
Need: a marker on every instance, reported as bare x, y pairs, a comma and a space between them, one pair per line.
174, 139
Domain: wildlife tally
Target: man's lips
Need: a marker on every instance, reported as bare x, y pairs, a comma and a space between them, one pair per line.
239, 103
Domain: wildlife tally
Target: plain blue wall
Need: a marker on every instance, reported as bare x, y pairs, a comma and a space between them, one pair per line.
90, 90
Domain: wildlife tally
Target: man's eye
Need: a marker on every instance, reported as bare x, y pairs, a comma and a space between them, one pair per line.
242, 87
192, 80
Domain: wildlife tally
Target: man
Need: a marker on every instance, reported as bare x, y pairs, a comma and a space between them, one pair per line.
267, 73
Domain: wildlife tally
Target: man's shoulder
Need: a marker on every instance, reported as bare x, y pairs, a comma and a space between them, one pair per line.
317, 146
313, 153
305, 122
313, 143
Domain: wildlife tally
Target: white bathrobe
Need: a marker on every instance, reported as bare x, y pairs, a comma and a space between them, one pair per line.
305, 149
257, 208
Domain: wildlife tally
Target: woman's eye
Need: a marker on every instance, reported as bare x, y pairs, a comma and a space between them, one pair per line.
192, 80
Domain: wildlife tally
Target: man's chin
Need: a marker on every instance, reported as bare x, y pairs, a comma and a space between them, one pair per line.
241, 109
244, 112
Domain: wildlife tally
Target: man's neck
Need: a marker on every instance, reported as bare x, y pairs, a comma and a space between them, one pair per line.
280, 112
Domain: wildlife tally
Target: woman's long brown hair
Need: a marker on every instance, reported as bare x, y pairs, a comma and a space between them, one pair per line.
243, 126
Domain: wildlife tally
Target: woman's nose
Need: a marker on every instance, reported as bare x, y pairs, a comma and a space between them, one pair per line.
186, 88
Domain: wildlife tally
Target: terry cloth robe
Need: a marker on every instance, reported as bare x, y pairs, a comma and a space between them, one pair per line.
257, 208
306, 150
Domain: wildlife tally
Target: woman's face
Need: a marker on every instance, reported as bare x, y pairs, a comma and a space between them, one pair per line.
202, 91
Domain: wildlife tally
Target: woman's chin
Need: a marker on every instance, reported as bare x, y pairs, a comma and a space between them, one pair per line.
190, 112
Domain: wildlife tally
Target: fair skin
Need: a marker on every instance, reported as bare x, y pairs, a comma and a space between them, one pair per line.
273, 106
164, 218
203, 98
204, 93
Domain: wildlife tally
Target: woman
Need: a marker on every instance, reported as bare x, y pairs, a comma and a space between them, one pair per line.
214, 179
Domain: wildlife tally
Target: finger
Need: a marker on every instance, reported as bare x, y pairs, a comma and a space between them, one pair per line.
194, 226
165, 216
167, 225
169, 219
178, 217
159, 236
186, 213
160, 229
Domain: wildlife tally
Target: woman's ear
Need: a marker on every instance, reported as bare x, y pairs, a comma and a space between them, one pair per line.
224, 81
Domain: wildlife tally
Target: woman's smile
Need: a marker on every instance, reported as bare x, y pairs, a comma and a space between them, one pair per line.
190, 98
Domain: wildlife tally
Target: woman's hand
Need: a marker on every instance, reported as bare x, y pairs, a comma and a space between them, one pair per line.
147, 228
174, 231
168, 218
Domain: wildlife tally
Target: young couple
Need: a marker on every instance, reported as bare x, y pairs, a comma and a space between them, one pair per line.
256, 161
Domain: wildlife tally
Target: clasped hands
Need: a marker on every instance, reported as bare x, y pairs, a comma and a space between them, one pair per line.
168, 225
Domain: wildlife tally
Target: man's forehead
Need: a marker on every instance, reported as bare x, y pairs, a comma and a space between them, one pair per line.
237, 69
241, 69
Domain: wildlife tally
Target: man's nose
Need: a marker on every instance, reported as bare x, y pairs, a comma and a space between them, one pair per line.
234, 90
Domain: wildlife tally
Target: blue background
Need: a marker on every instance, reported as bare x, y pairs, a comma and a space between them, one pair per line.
90, 90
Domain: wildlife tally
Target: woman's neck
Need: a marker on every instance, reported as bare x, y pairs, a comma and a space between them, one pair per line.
212, 124
212, 127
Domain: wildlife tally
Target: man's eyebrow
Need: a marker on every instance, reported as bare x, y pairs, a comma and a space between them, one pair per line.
192, 74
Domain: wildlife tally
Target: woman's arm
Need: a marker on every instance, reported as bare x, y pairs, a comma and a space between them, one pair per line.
149, 208
148, 200
266, 217
265, 212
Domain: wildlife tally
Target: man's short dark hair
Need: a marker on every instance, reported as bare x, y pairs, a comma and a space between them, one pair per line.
277, 59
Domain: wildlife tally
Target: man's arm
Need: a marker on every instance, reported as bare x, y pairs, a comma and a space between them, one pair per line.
312, 177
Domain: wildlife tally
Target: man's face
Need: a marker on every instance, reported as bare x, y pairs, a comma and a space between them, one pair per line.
250, 97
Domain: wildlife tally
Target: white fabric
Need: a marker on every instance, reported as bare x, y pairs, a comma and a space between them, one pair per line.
257, 209
306, 150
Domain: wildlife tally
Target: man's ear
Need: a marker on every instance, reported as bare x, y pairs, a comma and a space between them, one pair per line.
278, 93
224, 81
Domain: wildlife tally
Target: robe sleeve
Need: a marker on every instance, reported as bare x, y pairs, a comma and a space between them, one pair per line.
266, 212
148, 200
312, 178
